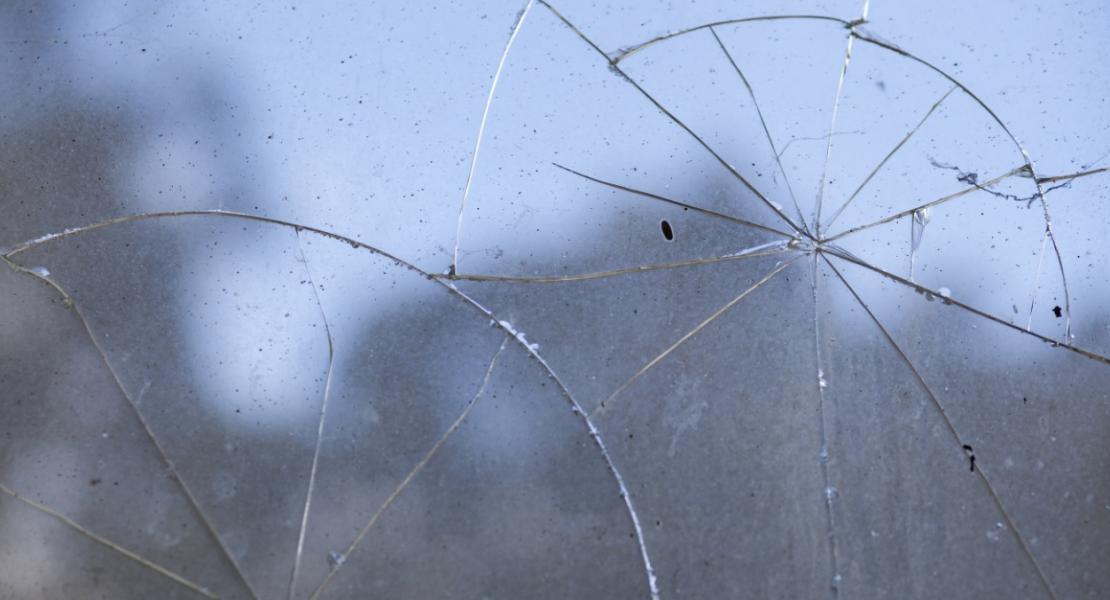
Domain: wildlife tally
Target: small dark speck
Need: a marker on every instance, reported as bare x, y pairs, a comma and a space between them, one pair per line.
1059, 312
970, 456
94, 481
881, 85
668, 233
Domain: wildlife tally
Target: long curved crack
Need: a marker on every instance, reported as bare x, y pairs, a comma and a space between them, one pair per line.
1026, 169
576, 407
482, 129
1021, 148
623, 54
613, 64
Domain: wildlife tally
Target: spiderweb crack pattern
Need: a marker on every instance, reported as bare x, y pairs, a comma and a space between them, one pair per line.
799, 241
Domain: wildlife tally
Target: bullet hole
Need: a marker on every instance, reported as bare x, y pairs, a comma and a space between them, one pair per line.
668, 233
1059, 312
970, 456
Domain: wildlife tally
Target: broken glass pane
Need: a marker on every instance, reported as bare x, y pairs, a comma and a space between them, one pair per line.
554, 300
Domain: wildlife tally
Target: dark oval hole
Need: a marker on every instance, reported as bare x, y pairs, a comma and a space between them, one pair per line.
668, 233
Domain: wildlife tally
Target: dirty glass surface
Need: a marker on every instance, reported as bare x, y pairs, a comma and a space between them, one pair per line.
554, 299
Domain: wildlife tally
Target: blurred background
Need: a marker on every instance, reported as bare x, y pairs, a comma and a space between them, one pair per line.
160, 423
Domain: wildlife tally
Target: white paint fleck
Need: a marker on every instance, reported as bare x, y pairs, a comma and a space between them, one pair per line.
519, 335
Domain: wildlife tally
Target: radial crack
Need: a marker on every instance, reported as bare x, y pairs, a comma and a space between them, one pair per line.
70, 303
482, 129
942, 200
1071, 176
954, 302
822, 425
835, 111
704, 211
108, 543
960, 443
616, 69
767, 249
763, 123
415, 470
889, 155
320, 425
713, 317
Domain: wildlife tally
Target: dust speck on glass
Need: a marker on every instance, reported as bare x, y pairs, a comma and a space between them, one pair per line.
802, 299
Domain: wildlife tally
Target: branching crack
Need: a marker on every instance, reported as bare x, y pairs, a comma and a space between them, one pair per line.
1028, 165
791, 242
108, 543
414, 472
763, 123
604, 405
889, 155
613, 64
626, 52
650, 571
972, 178
960, 443
835, 112
679, 203
927, 205
320, 424
767, 249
